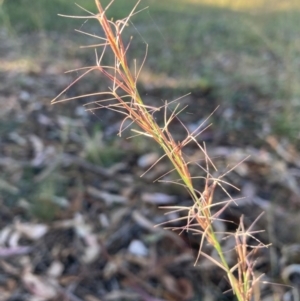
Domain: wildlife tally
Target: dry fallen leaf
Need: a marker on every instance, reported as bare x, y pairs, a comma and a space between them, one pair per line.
56, 269
180, 288
92, 249
39, 287
158, 198
108, 198
147, 160
31, 231
138, 248
13, 251
4, 235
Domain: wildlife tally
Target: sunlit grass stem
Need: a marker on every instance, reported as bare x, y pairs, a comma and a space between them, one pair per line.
124, 87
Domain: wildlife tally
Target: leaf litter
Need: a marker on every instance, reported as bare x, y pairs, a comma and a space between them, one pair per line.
102, 244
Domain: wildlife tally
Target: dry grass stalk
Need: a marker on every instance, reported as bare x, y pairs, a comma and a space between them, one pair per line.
129, 103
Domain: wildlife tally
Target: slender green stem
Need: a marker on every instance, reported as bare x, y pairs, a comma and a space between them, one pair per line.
124, 79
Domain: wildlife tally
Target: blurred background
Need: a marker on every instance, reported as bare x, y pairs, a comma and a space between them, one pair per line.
76, 219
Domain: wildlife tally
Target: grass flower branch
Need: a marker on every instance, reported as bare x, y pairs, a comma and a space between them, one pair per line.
127, 101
